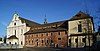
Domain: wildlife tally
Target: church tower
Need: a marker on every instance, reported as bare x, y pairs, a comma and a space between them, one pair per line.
45, 20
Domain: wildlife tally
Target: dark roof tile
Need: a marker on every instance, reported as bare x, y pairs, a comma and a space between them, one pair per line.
45, 30
28, 22
12, 37
80, 15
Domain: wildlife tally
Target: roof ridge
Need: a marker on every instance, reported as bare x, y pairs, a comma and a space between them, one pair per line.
28, 20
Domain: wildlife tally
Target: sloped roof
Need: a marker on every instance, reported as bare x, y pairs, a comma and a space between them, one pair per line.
28, 22
12, 37
80, 15
52, 24
45, 30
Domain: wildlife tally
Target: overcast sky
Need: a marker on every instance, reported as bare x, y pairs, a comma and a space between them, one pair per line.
35, 10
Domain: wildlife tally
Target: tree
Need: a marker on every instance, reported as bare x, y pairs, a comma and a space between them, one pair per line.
5, 37
99, 30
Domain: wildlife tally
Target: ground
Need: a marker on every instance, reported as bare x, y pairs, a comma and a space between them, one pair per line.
47, 49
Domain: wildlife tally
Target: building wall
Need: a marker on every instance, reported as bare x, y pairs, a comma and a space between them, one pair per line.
16, 27
1, 40
98, 37
12, 41
50, 40
73, 29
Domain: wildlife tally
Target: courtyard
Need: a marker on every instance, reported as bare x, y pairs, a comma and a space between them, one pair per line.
47, 49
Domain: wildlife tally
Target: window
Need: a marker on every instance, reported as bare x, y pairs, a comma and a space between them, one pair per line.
76, 40
79, 28
69, 40
42, 34
37, 40
42, 41
15, 43
84, 40
15, 32
0, 39
59, 38
37, 35
37, 43
47, 41
21, 43
51, 34
32, 35
51, 41
32, 41
26, 42
9, 42
58, 33
14, 23
46, 34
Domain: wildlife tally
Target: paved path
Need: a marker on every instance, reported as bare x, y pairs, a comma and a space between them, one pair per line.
44, 49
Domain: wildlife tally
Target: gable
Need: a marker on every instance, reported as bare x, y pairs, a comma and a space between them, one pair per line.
80, 15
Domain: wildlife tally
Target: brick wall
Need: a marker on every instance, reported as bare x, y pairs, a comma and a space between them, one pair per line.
46, 39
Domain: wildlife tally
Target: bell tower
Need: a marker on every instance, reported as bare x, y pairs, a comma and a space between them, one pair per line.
45, 20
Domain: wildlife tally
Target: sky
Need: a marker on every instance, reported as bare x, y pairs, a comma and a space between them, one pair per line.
35, 10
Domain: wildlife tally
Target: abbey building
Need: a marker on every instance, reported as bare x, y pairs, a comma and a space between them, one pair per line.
75, 32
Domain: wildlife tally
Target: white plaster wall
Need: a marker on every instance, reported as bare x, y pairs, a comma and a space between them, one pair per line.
20, 28
73, 29
12, 41
73, 26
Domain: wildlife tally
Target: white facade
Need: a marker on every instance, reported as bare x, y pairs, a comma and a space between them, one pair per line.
86, 27
17, 28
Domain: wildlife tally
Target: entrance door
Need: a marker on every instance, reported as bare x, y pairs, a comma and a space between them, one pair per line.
37, 43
